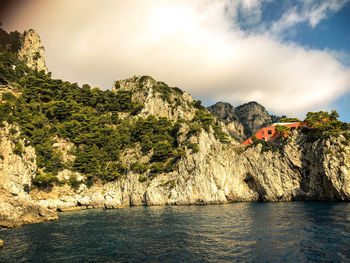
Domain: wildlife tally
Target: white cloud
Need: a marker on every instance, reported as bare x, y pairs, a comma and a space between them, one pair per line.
312, 12
189, 44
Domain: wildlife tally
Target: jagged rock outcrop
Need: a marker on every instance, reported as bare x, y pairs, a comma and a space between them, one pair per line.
32, 51
157, 98
253, 117
243, 121
226, 112
17, 169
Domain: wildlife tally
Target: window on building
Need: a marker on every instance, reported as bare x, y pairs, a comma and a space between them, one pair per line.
292, 128
269, 132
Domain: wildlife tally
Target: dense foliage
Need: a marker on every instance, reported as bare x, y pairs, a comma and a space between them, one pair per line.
322, 125
282, 129
10, 41
285, 119
204, 119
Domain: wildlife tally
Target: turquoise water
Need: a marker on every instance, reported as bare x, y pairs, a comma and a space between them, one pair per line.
240, 232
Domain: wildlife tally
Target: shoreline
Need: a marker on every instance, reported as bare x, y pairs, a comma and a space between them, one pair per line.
58, 211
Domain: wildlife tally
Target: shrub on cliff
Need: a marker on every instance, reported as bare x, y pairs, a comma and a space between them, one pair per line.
285, 119
282, 129
205, 120
138, 167
45, 179
157, 168
322, 125
162, 152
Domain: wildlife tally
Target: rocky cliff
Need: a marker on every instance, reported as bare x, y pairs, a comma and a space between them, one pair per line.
17, 169
245, 120
226, 113
224, 173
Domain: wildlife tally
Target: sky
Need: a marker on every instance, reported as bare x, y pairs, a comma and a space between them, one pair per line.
292, 56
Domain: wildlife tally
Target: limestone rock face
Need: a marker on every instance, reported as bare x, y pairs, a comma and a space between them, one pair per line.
32, 51
226, 112
158, 99
16, 173
245, 120
223, 173
253, 117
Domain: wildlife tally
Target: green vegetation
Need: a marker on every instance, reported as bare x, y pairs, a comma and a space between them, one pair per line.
157, 168
322, 125
347, 136
10, 41
194, 147
142, 178
18, 149
266, 146
204, 120
138, 168
282, 129
289, 120
73, 182
162, 152
37, 55
8, 96
45, 180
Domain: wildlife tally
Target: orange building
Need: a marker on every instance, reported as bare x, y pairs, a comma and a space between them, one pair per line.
269, 133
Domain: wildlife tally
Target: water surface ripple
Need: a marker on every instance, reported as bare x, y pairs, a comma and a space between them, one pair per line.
238, 232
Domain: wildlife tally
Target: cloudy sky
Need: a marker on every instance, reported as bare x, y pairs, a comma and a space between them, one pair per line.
292, 56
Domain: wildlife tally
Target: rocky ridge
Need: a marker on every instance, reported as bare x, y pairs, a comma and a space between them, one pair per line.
157, 98
226, 113
245, 120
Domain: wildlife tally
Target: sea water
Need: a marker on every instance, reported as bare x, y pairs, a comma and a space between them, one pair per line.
237, 232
